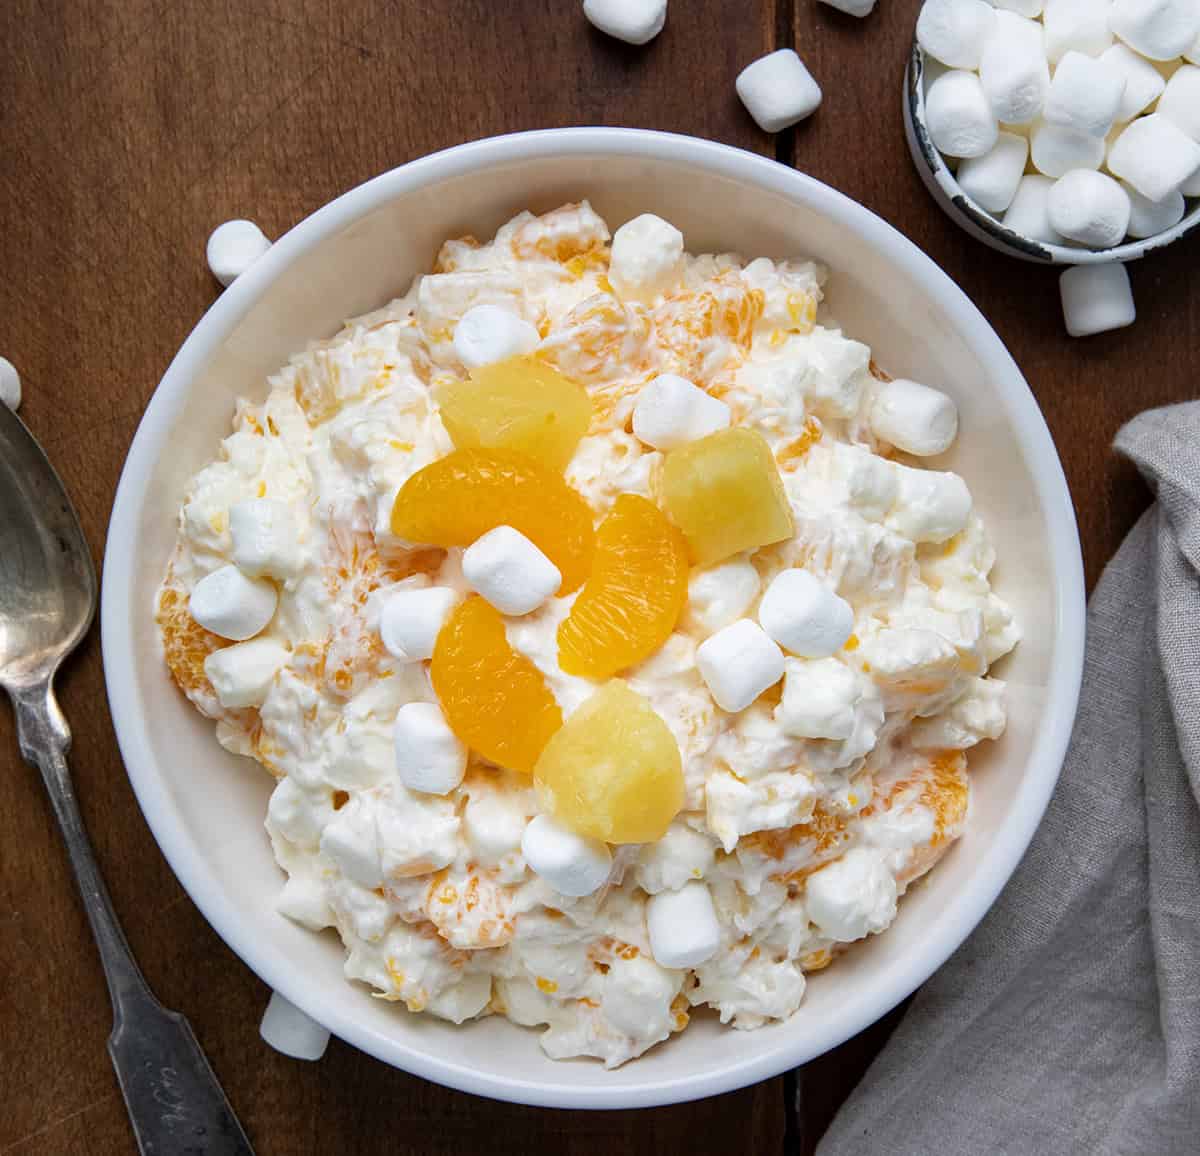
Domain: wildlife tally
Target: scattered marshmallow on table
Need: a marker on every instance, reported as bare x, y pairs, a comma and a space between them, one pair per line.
1096, 298
954, 31
410, 620
991, 180
242, 674
429, 756
510, 571
1085, 94
1143, 82
572, 864
233, 247
1158, 29
488, 333
670, 411
1081, 25
1147, 217
1013, 68
646, 257
959, 116
804, 615
1154, 155
1057, 150
634, 21
1180, 101
1090, 208
10, 384
264, 538
857, 8
232, 605
778, 90
683, 926
738, 663
915, 418
1027, 213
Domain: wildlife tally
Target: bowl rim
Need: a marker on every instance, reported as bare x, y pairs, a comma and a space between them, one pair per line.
982, 225
121, 662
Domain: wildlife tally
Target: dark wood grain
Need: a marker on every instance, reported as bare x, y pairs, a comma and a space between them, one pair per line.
131, 127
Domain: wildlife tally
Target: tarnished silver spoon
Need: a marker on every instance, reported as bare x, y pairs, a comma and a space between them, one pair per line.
47, 599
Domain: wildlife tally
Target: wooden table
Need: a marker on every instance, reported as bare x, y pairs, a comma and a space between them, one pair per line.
129, 129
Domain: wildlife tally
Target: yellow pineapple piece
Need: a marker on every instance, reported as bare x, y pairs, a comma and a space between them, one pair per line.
521, 404
613, 771
724, 492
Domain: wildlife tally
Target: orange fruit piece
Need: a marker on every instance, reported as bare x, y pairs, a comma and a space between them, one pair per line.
634, 595
520, 404
495, 700
462, 496
613, 771
725, 493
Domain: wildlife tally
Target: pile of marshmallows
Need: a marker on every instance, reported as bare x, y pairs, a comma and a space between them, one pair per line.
1034, 109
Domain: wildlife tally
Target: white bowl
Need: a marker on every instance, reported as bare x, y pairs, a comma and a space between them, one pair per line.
206, 807
984, 226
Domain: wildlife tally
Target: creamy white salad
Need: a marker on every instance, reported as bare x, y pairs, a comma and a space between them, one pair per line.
821, 731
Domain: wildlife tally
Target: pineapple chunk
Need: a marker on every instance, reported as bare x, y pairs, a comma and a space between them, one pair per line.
613, 771
724, 492
520, 404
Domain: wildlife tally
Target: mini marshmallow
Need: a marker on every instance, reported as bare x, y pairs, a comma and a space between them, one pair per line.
683, 926
232, 605
1013, 69
1081, 25
493, 824
290, 1032
1192, 55
991, 180
488, 333
1143, 82
1157, 29
233, 247
804, 615
859, 8
1057, 150
670, 411
1191, 187
824, 699
1085, 94
1027, 214
634, 21
1147, 218
1180, 101
351, 840
954, 31
853, 896
10, 384
930, 506
738, 663
915, 418
510, 571
242, 674
1096, 298
720, 595
264, 538
572, 864
778, 90
1090, 208
1154, 155
958, 115
429, 756
410, 620
647, 257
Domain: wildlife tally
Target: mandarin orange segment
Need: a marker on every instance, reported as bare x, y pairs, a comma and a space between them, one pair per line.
520, 404
613, 771
634, 595
725, 493
495, 700
460, 497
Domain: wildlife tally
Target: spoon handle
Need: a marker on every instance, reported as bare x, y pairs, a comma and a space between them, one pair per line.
175, 1104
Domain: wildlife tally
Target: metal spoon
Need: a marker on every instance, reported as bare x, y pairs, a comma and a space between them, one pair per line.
47, 599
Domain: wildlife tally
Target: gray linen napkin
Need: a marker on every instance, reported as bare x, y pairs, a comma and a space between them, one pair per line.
1069, 1022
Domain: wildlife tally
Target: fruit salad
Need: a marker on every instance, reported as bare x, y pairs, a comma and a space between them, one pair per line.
612, 629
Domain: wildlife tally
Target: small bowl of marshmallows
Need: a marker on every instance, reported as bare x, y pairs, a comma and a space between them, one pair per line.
1061, 131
